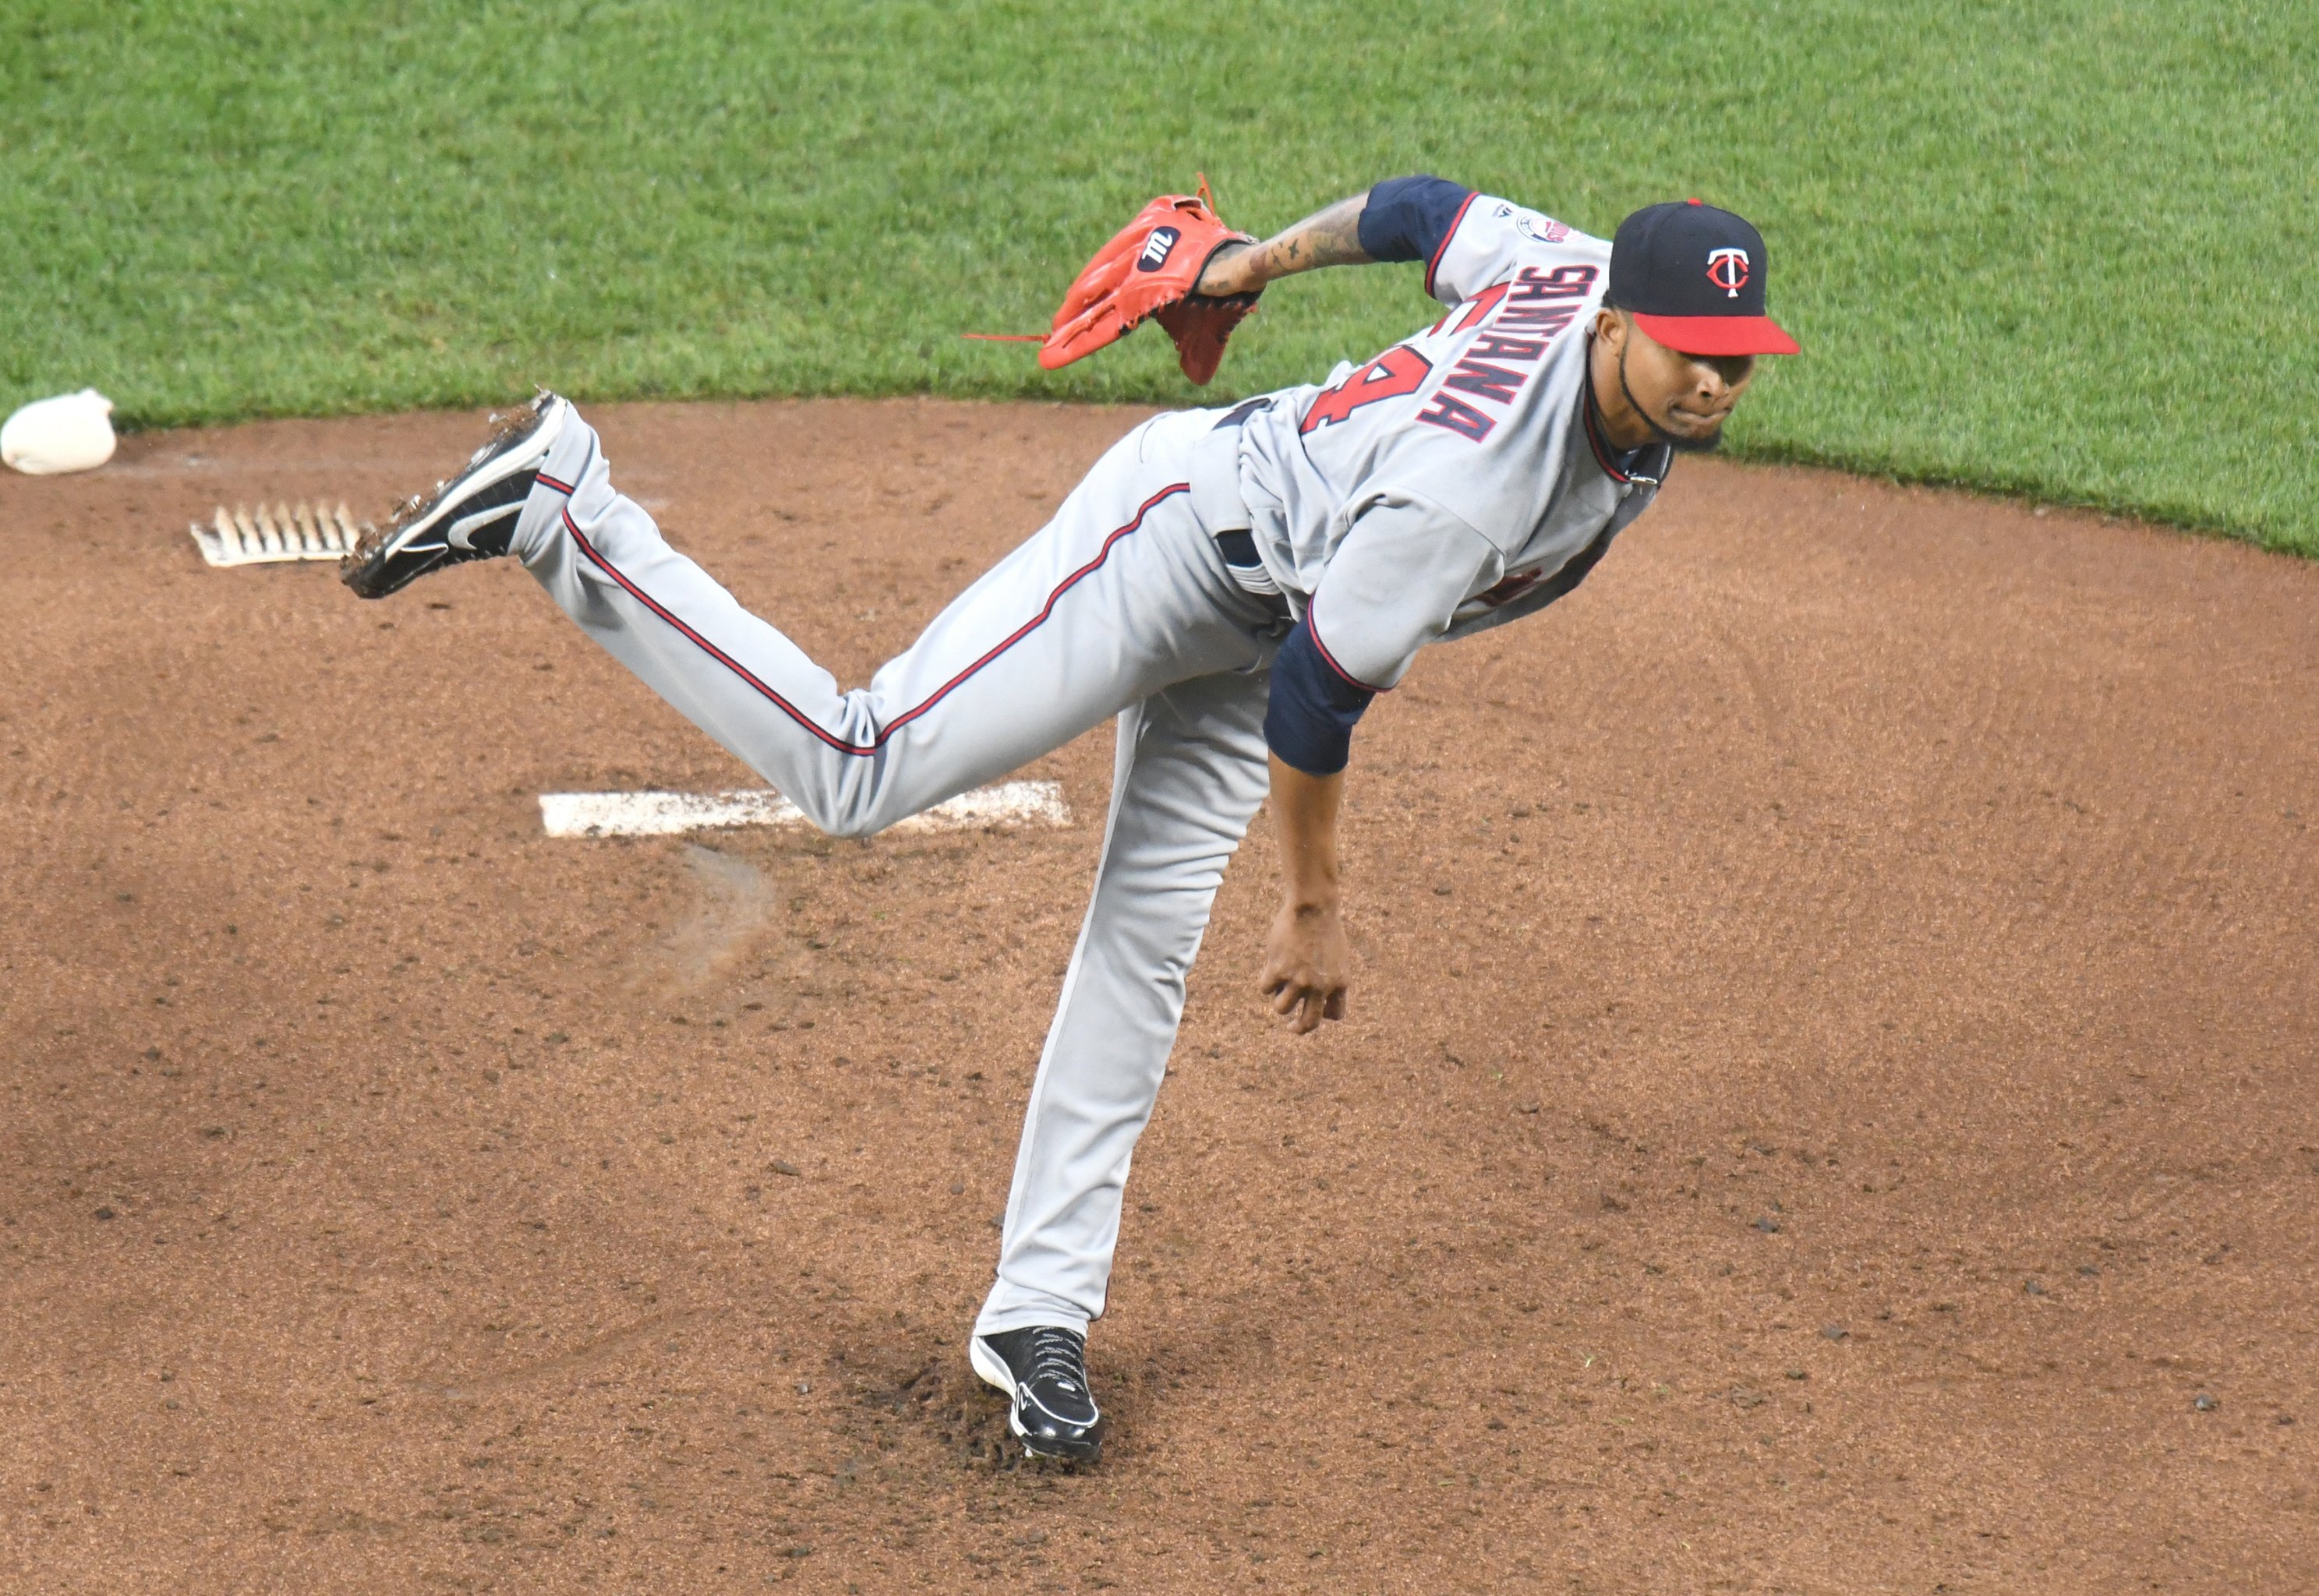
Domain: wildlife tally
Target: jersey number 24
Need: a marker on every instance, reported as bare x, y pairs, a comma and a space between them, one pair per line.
1399, 370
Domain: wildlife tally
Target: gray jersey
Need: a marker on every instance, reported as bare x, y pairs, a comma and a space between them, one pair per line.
1444, 486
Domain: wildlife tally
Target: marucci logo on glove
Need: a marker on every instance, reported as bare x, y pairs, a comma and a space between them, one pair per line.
1151, 271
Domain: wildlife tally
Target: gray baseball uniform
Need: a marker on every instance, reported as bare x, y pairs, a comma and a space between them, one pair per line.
1220, 582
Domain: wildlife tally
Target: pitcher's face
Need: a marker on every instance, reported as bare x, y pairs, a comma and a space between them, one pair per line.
1684, 399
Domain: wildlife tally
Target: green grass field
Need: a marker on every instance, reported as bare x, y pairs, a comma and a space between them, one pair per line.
2066, 249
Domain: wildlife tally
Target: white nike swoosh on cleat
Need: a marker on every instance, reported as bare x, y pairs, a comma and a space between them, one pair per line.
461, 530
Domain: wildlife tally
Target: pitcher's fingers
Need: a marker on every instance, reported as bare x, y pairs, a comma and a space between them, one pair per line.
1336, 1008
1291, 995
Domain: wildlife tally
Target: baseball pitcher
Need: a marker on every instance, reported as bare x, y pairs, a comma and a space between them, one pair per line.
1233, 586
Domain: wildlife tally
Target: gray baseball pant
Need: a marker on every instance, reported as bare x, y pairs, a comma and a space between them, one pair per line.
1122, 605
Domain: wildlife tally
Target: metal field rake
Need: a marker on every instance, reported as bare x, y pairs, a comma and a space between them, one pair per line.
281, 533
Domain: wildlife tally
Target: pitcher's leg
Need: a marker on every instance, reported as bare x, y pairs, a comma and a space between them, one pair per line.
1118, 595
601, 557
1191, 771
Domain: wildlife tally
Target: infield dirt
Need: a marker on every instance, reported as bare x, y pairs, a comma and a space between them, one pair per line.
1828, 1104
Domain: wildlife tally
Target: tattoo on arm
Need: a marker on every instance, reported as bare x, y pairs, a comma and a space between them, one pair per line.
1324, 238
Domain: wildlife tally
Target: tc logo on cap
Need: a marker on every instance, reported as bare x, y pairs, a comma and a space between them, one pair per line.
1727, 268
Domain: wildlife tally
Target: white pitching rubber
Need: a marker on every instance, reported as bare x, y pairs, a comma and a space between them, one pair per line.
671, 814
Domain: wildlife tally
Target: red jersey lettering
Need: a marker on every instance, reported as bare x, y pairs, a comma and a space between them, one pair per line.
1492, 346
1562, 282
1454, 415
1491, 382
1540, 320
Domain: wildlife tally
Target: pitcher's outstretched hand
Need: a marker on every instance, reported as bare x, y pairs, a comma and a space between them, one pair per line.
1307, 964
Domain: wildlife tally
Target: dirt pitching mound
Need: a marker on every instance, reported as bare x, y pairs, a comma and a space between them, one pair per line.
1828, 1104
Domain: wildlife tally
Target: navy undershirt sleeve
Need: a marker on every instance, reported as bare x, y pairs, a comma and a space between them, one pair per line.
1308, 723
1407, 218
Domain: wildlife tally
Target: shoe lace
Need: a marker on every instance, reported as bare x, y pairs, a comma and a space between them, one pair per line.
1056, 1355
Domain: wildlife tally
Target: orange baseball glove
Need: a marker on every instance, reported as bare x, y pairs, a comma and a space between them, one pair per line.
1148, 270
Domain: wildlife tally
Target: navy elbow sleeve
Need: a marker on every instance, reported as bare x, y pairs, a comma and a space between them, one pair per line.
1406, 218
1309, 721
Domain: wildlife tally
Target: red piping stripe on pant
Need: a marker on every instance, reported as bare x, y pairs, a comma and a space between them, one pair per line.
596, 558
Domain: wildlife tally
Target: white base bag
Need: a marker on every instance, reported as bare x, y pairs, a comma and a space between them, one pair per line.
71, 432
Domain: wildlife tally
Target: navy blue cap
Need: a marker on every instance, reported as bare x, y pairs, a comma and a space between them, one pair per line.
1692, 277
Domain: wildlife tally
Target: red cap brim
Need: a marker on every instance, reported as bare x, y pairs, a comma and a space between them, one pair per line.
1718, 335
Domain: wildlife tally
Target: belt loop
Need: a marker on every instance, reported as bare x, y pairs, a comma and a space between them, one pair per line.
1216, 482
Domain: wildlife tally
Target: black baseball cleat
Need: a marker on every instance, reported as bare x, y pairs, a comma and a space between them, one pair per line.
471, 517
1043, 1371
